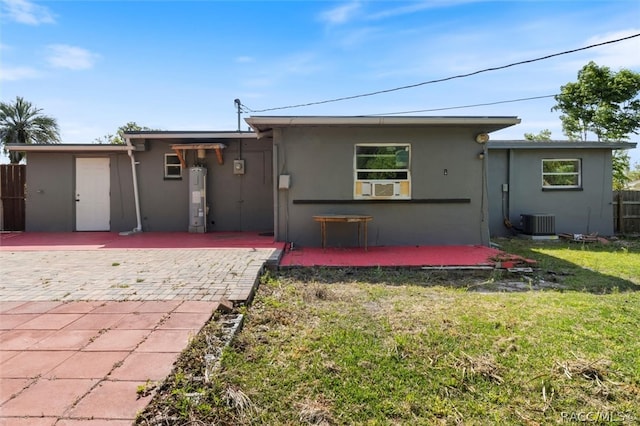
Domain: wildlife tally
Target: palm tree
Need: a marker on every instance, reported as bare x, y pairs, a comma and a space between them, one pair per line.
21, 122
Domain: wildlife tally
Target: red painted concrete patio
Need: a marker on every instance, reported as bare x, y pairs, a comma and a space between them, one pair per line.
467, 256
405, 256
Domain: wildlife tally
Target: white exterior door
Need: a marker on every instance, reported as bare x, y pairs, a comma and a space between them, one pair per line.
92, 194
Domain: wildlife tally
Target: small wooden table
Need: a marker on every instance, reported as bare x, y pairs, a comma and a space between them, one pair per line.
343, 218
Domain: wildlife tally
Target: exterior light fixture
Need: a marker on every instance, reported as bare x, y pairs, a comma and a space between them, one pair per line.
482, 137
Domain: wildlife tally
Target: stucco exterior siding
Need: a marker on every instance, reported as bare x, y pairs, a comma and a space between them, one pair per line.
50, 201
586, 210
123, 210
498, 174
163, 202
236, 202
455, 194
320, 162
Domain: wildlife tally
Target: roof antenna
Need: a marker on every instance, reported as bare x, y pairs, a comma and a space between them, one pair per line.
239, 106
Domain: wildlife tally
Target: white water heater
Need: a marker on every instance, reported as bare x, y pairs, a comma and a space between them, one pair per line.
197, 199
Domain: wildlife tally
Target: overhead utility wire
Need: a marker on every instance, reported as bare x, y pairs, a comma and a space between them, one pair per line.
465, 106
440, 80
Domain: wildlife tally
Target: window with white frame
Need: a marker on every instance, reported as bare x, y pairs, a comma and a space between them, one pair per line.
561, 173
172, 167
382, 171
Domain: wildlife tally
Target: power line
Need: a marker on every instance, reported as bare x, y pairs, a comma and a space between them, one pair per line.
466, 106
440, 80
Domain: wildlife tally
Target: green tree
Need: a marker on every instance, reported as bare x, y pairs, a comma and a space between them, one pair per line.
620, 173
118, 138
601, 102
21, 122
606, 104
544, 135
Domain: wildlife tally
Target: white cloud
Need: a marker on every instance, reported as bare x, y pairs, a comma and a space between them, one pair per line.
417, 7
70, 57
244, 59
624, 54
26, 12
301, 64
341, 14
258, 82
18, 73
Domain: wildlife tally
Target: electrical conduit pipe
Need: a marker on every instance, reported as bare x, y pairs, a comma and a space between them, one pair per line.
136, 195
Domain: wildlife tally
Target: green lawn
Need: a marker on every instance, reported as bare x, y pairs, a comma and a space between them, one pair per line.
589, 267
400, 347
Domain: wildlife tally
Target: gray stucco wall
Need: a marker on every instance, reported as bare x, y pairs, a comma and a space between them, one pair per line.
320, 163
576, 211
498, 173
123, 210
50, 202
236, 202
50, 199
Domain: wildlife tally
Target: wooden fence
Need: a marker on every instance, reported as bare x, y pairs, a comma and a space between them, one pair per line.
12, 196
626, 212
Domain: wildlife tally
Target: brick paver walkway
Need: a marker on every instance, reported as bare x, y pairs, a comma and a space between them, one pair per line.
151, 274
81, 331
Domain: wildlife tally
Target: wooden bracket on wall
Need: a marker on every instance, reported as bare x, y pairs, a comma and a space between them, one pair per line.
180, 148
180, 155
219, 156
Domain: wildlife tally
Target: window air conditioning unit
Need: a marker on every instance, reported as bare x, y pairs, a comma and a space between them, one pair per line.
381, 189
538, 224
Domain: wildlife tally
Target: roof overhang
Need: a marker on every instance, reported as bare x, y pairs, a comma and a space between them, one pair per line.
69, 147
525, 144
185, 135
262, 124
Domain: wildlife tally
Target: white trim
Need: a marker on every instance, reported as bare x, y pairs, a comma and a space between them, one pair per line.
576, 173
167, 165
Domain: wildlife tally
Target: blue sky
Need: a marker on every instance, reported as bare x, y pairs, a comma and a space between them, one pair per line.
179, 65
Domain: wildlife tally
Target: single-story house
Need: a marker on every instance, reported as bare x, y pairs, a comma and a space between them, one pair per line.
422, 180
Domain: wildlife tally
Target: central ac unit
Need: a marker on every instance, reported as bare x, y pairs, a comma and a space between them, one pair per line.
538, 224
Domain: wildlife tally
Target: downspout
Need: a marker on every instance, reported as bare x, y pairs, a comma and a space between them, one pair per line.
276, 190
136, 195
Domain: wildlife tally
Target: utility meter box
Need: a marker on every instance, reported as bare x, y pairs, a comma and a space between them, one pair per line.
238, 167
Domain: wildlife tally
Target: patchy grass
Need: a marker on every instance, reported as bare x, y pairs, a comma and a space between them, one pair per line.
592, 267
336, 351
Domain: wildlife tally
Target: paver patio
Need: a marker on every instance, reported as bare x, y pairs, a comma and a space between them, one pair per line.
83, 327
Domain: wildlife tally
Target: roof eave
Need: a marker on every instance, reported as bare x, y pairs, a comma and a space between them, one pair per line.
486, 124
67, 148
524, 144
189, 135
